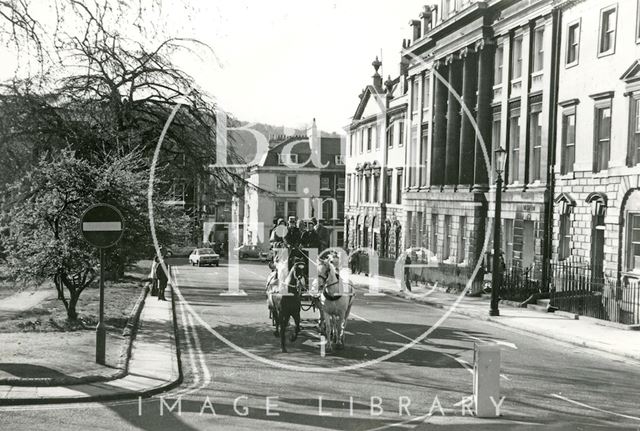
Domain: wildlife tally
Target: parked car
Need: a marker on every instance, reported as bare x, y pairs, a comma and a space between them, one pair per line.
204, 256
246, 251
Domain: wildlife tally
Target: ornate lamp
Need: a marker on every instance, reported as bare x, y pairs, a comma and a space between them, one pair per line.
501, 160
496, 276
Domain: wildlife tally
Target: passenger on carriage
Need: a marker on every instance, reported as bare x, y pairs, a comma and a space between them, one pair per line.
292, 239
310, 239
277, 240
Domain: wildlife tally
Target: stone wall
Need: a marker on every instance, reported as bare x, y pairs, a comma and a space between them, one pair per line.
579, 186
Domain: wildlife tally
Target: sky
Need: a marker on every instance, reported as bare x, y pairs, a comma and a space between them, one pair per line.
285, 62
281, 62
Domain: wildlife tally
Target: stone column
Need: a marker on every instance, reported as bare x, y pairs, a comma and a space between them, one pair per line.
453, 122
467, 131
486, 50
439, 125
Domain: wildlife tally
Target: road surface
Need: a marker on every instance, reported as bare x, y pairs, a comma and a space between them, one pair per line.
237, 378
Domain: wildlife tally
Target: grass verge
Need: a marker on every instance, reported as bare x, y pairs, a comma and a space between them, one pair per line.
41, 344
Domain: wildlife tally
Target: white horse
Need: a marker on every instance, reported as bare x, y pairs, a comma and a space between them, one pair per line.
335, 299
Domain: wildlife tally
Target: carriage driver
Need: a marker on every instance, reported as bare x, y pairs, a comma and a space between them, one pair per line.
292, 240
286, 236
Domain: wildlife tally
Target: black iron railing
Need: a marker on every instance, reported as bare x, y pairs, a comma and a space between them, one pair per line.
581, 289
519, 284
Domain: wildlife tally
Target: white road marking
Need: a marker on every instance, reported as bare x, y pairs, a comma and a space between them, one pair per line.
399, 334
466, 365
465, 400
403, 424
500, 342
189, 329
360, 317
190, 351
203, 364
560, 397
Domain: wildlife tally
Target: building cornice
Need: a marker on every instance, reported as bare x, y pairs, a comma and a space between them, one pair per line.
603, 95
569, 102
450, 24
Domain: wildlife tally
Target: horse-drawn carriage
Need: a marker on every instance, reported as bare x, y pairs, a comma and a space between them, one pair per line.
289, 290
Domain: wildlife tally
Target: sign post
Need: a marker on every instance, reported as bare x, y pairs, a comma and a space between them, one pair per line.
102, 227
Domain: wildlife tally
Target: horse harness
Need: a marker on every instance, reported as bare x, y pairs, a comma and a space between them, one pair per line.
328, 296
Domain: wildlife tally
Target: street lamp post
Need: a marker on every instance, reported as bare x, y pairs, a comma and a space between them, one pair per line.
496, 279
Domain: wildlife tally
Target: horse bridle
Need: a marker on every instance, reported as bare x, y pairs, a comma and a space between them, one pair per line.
297, 277
324, 281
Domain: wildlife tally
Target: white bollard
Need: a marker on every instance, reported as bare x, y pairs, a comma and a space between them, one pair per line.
486, 379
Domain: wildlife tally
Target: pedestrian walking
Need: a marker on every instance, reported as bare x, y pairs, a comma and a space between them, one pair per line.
356, 262
407, 272
162, 278
353, 258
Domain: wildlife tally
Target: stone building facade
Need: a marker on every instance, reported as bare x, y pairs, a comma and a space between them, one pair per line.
480, 69
526, 76
275, 190
597, 192
375, 165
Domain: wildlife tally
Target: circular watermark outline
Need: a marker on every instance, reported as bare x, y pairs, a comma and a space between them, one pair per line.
466, 111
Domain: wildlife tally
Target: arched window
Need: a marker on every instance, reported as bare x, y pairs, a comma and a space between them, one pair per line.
631, 256
598, 203
564, 205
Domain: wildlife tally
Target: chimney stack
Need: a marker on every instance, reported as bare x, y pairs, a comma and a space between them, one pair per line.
404, 66
377, 79
389, 85
415, 24
427, 18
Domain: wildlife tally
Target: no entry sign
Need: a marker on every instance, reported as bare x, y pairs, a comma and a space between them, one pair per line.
102, 225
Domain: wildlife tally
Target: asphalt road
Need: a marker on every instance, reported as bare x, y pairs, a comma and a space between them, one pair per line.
233, 367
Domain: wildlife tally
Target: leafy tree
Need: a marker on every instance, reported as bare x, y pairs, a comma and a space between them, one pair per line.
85, 129
44, 239
115, 87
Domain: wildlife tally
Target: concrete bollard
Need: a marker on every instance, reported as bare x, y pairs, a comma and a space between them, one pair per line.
486, 379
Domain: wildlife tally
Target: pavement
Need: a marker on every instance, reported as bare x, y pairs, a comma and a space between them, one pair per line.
153, 366
573, 329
